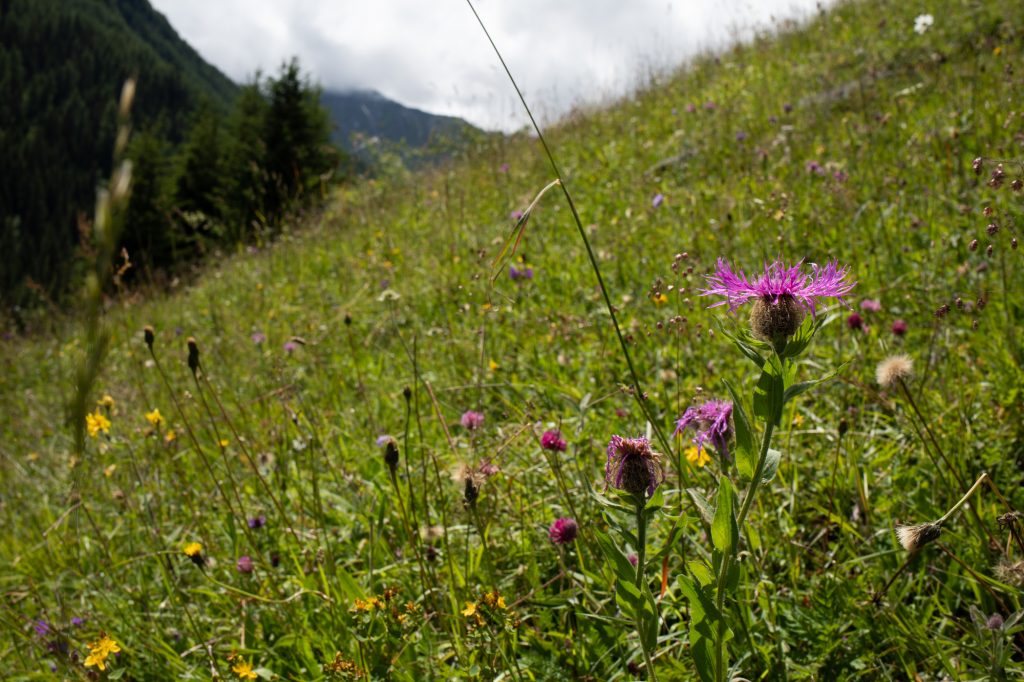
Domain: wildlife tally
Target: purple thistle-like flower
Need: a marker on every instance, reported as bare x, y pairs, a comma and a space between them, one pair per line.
658, 200
291, 346
563, 531
633, 466
711, 422
517, 275
871, 305
383, 440
899, 327
632, 558
256, 522
472, 420
855, 321
779, 282
78, 621
258, 337
41, 627
552, 440
516, 215
245, 564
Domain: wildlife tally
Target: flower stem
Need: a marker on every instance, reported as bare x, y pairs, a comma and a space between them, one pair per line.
963, 500
748, 499
641, 553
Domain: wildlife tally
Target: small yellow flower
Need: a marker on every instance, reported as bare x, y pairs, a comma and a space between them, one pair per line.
244, 670
155, 418
660, 299
492, 365
96, 423
368, 605
224, 442
170, 436
470, 609
106, 401
696, 456
193, 549
33, 456
997, 50
109, 471
798, 419
501, 602
99, 651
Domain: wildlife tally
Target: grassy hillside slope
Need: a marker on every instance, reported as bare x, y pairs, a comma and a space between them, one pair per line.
850, 138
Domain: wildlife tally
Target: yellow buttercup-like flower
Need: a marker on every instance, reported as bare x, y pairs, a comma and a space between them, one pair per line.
106, 401
244, 670
100, 650
697, 456
155, 418
96, 423
470, 609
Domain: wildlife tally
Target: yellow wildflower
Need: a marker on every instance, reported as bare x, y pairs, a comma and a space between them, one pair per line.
659, 299
155, 418
106, 401
96, 423
470, 609
367, 605
697, 456
492, 365
224, 442
99, 651
193, 549
170, 436
109, 471
244, 670
798, 419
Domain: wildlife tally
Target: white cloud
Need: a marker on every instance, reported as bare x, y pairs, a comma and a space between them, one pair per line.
432, 55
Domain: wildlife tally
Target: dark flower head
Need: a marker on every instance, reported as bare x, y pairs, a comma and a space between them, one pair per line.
257, 521
995, 622
552, 440
633, 466
711, 422
41, 627
855, 321
899, 327
563, 531
517, 275
781, 294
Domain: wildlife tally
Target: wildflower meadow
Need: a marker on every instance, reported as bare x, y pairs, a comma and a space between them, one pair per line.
721, 381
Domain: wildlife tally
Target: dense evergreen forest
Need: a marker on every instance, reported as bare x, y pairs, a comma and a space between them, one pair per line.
213, 162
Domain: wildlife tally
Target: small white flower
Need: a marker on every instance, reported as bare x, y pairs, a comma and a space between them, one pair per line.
922, 23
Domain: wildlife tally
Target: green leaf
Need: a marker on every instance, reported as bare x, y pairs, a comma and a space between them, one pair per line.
745, 344
701, 571
628, 596
678, 523
702, 505
746, 455
771, 465
724, 533
649, 621
770, 391
803, 337
620, 564
796, 389
656, 502
703, 616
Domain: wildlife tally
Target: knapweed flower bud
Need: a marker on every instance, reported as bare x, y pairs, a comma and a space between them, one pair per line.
778, 319
893, 370
899, 327
633, 466
855, 321
472, 420
407, 393
914, 538
391, 455
148, 335
563, 531
244, 564
193, 354
994, 622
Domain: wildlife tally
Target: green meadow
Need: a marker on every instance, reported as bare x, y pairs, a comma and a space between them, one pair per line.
231, 509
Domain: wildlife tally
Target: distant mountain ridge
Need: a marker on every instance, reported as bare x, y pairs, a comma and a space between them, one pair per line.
369, 114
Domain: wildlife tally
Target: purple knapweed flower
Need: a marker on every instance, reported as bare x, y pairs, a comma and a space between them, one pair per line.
691, 107
503, 168
488, 468
840, 176
472, 420
244, 564
516, 215
256, 522
787, 107
899, 327
517, 275
855, 321
290, 346
633, 466
658, 200
781, 294
563, 531
258, 337
814, 167
41, 627
552, 440
710, 105
711, 422
78, 621
871, 305
741, 135
383, 440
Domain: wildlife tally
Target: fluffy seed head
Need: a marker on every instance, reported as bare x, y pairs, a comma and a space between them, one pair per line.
1011, 572
894, 369
914, 538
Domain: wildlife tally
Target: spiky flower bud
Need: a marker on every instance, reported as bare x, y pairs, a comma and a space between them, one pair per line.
391, 456
914, 538
193, 354
776, 320
148, 335
407, 393
976, 165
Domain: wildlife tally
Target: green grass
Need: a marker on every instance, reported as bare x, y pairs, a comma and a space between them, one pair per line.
390, 289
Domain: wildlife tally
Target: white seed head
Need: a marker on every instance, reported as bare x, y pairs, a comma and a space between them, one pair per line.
893, 369
914, 538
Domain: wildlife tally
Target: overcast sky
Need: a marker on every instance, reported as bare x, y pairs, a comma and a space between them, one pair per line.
431, 54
